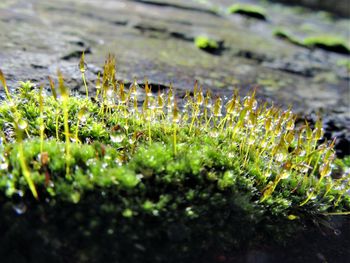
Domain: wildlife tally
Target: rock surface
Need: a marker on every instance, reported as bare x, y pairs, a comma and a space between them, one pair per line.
155, 39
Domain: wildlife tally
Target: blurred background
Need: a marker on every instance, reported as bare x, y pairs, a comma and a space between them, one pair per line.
294, 52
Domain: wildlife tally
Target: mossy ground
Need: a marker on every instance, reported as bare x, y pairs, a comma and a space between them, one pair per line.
132, 170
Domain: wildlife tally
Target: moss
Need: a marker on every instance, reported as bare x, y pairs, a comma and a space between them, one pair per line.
248, 10
327, 42
136, 171
206, 43
130, 143
284, 34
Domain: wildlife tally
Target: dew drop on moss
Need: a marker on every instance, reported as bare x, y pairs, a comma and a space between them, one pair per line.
117, 138
305, 168
311, 192
189, 212
75, 197
280, 157
127, 213
20, 208
267, 174
140, 247
230, 155
22, 125
251, 141
285, 175
337, 232
3, 165
214, 134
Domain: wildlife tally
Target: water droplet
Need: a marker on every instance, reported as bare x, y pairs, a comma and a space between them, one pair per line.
22, 124
280, 156
20, 208
214, 134
285, 175
127, 213
117, 134
83, 114
4, 165
140, 247
189, 212
139, 176
325, 169
75, 197
230, 155
118, 162
251, 141
312, 193
337, 232
302, 153
267, 174
254, 105
304, 168
340, 187
246, 100
109, 93
20, 193
117, 138
83, 117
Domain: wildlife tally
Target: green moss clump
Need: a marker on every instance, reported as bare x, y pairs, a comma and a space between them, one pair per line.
328, 42
283, 34
206, 43
222, 172
248, 10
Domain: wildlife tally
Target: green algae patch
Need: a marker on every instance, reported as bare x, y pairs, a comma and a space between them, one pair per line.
206, 43
248, 10
135, 169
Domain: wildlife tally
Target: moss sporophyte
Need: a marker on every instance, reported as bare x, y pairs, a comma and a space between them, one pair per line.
201, 148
